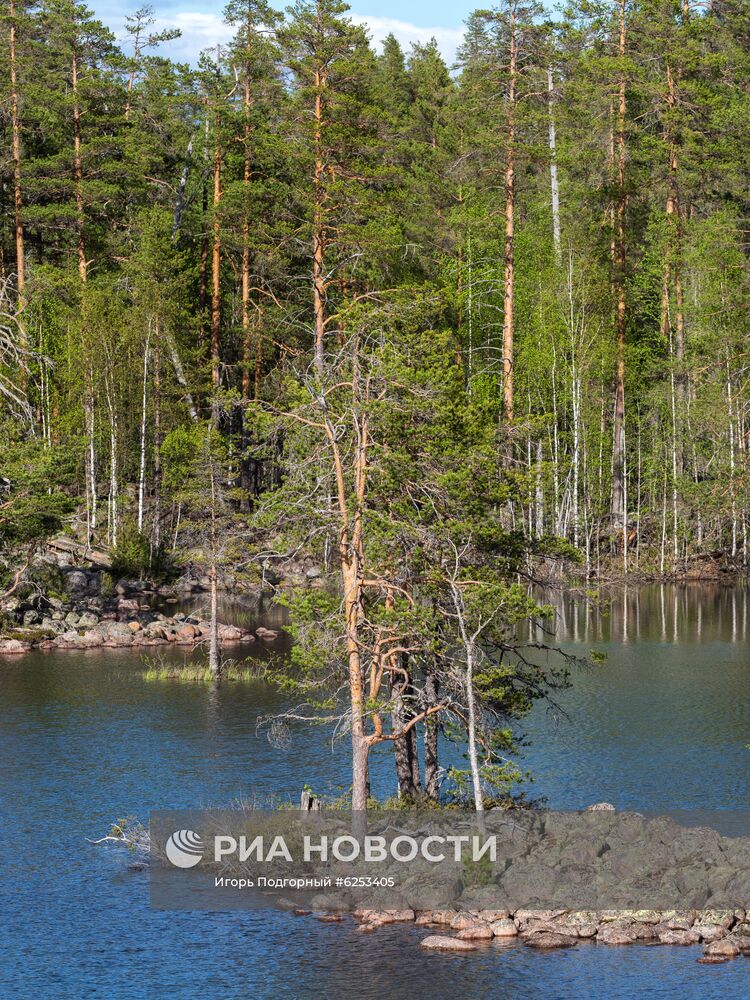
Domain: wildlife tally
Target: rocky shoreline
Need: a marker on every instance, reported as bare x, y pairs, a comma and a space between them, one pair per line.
724, 933
90, 621
563, 879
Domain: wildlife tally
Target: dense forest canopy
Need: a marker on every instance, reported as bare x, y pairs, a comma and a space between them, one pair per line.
569, 203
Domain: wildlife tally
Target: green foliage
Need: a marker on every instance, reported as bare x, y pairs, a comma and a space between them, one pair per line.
476, 873
131, 554
34, 484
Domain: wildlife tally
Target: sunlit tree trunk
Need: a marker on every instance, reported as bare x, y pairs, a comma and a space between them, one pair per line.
468, 640
88, 407
214, 656
618, 457
319, 235
78, 172
144, 414
83, 275
113, 472
554, 184
203, 274
247, 327
674, 334
539, 491
16, 156
156, 520
246, 175
732, 459
508, 258
216, 283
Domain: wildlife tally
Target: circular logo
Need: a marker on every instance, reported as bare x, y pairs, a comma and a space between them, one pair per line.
184, 849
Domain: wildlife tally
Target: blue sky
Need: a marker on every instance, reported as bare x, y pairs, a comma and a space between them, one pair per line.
201, 21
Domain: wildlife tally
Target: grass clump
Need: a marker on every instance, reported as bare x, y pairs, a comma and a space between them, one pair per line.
200, 673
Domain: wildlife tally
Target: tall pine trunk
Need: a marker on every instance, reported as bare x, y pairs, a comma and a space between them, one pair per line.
351, 542
672, 278
78, 173
618, 457
246, 174
431, 735
216, 284
360, 748
247, 333
16, 156
318, 234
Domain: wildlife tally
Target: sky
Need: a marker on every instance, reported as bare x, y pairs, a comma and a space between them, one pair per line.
201, 21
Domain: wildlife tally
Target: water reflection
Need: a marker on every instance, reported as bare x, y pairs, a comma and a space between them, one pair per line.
701, 612
667, 613
662, 722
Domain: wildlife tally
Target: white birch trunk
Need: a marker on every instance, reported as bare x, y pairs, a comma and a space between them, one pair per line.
731, 460
214, 659
144, 411
539, 490
91, 455
470, 648
554, 185
113, 487
179, 371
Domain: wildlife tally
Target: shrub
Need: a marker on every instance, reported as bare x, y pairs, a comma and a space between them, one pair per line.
131, 555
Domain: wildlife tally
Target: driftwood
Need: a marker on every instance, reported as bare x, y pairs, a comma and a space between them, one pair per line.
126, 833
83, 553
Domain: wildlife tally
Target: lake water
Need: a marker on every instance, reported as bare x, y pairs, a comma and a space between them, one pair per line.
662, 725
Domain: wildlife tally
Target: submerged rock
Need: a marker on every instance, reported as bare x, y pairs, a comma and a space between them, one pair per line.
547, 941
14, 646
441, 942
267, 634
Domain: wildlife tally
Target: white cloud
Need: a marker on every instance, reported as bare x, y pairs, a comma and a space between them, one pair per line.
448, 39
202, 30
199, 31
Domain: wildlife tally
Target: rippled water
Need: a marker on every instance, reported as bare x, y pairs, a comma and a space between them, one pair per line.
662, 724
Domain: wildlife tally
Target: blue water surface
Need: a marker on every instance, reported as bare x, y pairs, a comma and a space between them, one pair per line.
84, 740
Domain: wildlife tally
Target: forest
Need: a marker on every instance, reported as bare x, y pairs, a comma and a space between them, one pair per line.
430, 326
565, 209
